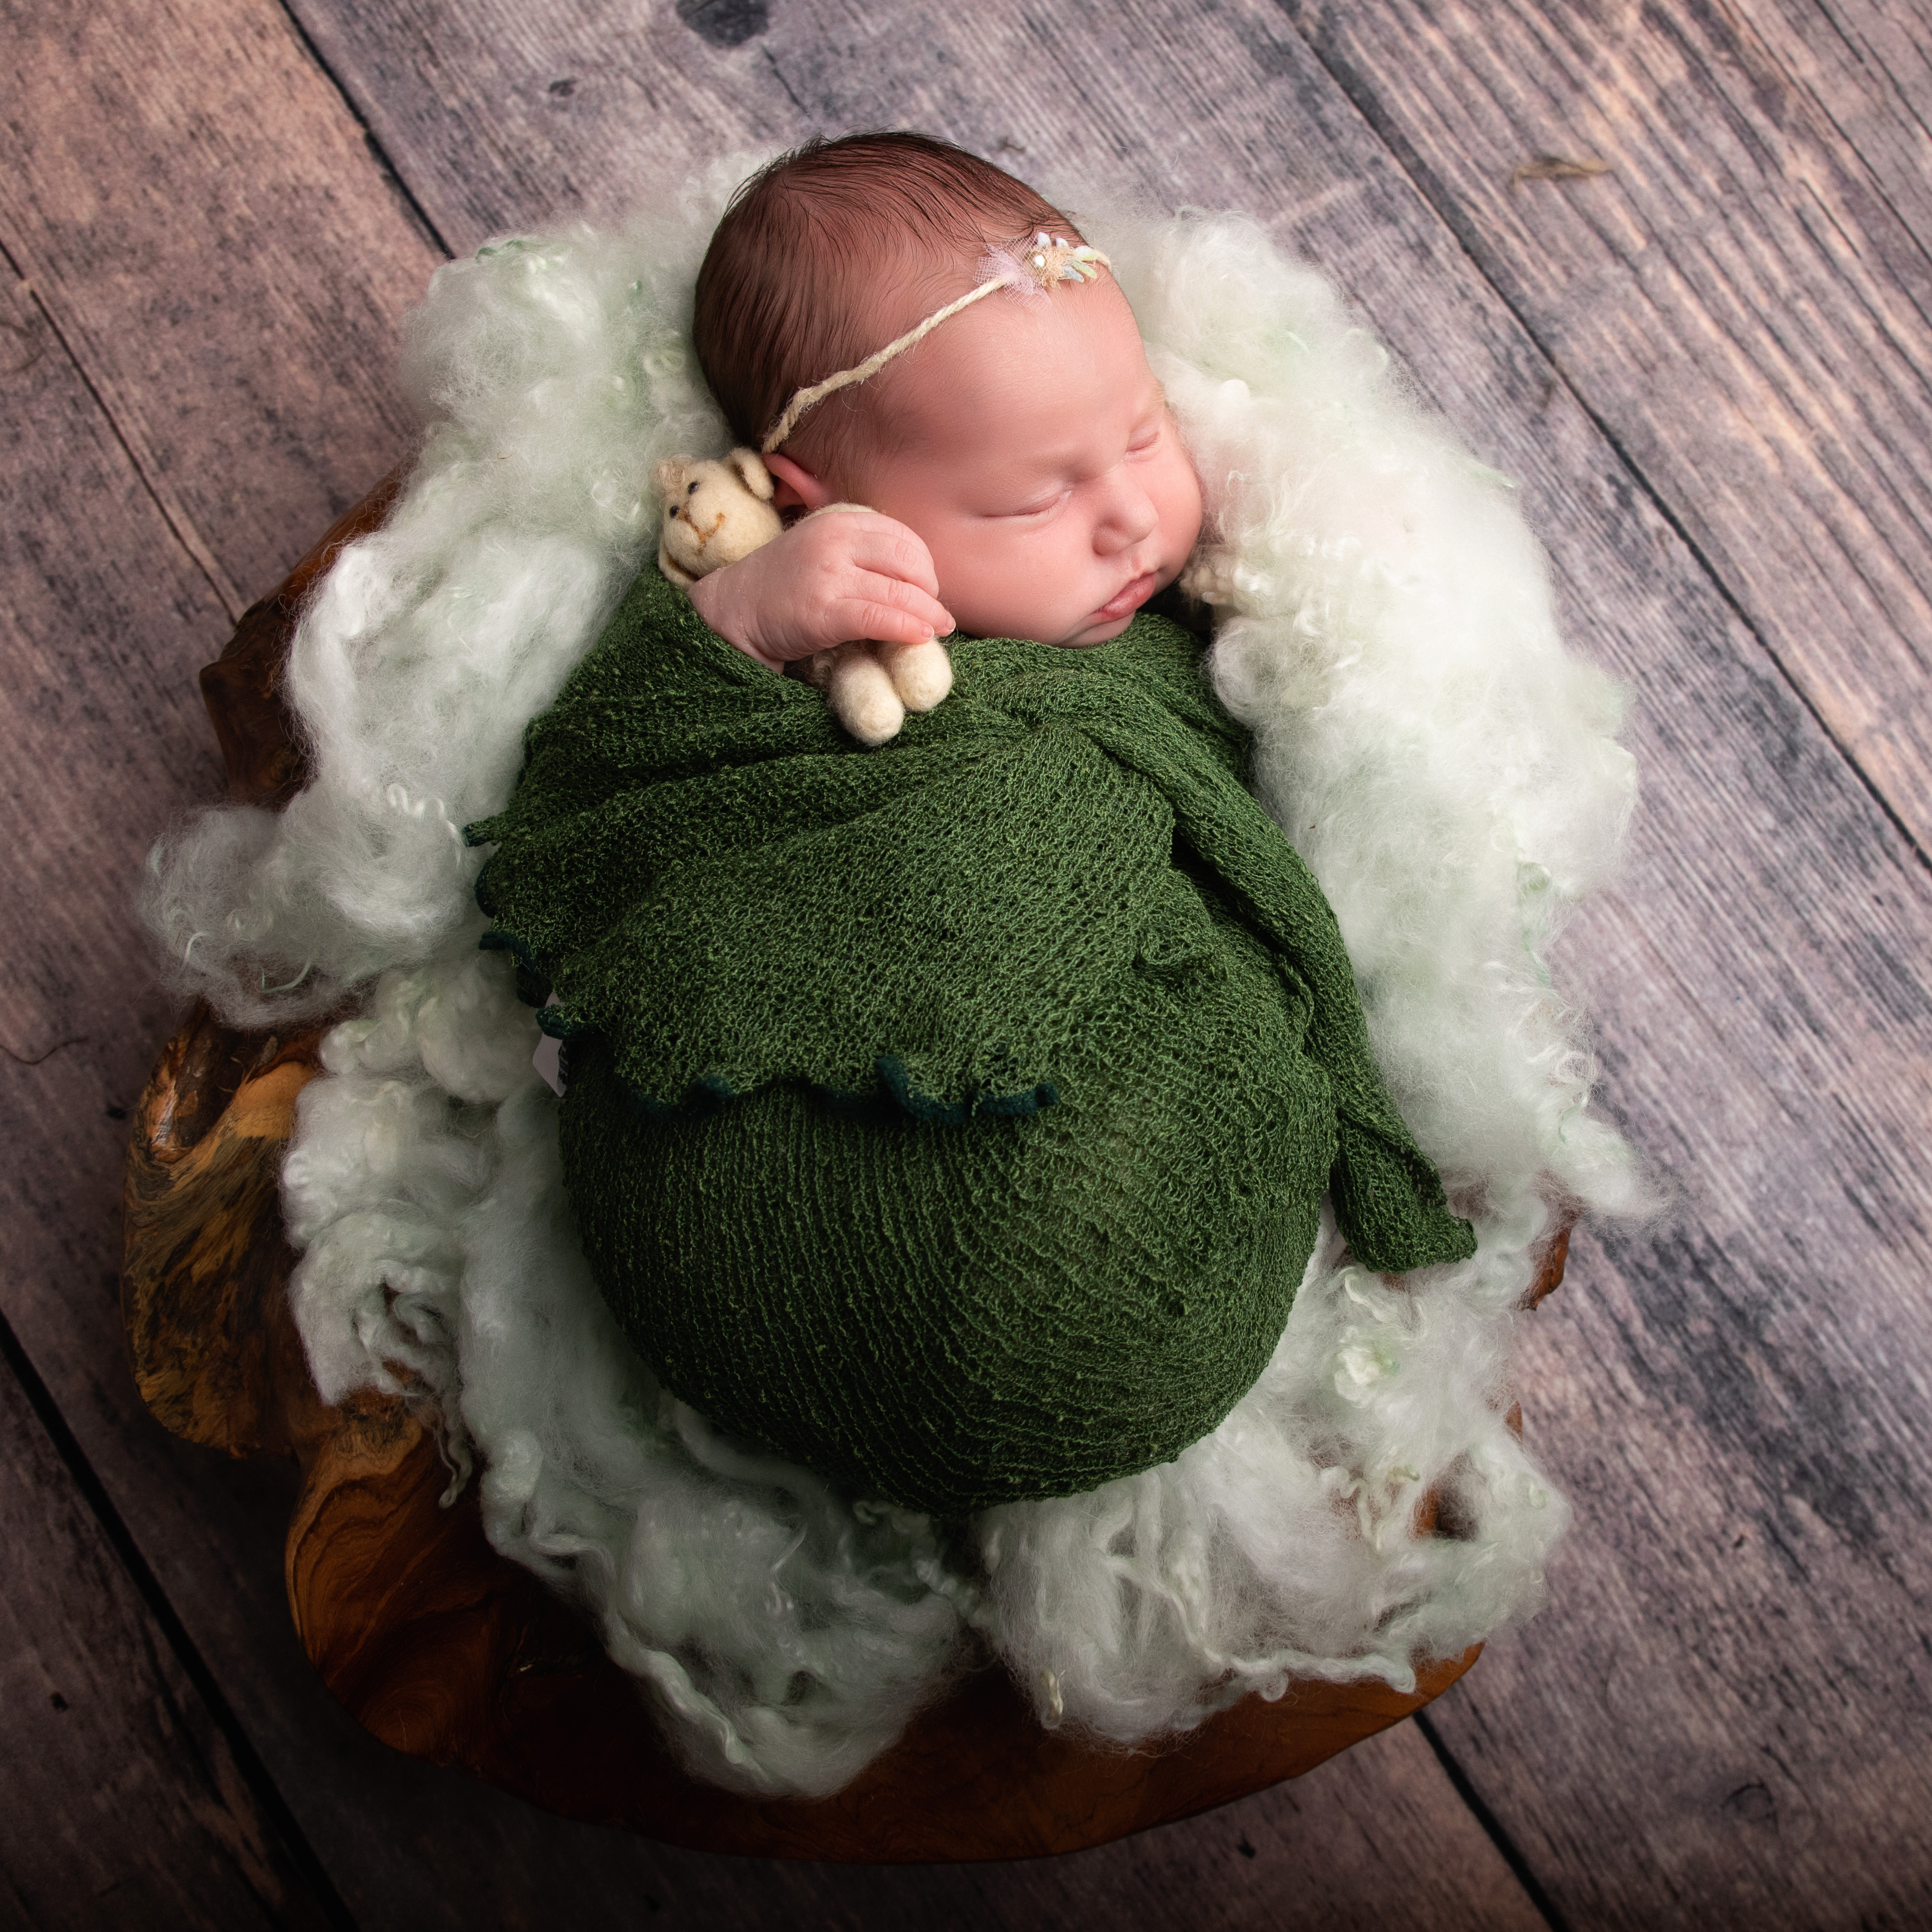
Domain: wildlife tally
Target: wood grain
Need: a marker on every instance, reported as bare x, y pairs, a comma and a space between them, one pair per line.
103, 619
1735, 302
201, 223
1865, 67
205, 1272
120, 1800
1763, 977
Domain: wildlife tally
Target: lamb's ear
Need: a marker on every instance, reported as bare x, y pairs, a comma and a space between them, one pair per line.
668, 476
752, 473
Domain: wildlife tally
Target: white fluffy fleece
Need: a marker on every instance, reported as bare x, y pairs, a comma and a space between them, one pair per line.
1447, 769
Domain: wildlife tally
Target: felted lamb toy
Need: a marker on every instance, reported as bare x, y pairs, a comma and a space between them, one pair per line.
718, 512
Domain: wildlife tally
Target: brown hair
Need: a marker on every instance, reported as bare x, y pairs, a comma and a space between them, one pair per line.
792, 283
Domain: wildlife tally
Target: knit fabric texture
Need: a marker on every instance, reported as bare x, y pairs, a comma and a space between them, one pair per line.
953, 1118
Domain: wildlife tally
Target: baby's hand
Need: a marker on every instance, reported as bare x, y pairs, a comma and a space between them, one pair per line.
834, 576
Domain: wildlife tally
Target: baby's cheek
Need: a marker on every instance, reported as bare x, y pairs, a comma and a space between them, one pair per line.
981, 580
1182, 512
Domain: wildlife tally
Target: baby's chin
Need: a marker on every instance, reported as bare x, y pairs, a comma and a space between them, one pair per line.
1097, 627
1053, 630
1070, 630
1099, 632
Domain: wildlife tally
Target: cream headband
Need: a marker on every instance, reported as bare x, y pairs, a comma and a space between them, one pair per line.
1031, 271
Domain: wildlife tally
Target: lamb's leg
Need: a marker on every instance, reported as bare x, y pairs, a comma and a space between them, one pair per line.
921, 674
863, 698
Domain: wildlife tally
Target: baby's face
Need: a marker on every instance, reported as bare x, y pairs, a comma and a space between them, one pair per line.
1038, 460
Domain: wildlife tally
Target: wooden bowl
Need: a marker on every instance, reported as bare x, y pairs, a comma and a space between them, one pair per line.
445, 1650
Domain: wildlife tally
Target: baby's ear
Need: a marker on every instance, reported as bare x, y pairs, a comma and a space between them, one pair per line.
752, 473
797, 488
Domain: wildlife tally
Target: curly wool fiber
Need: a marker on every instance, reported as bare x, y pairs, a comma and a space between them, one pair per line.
1445, 769
554, 373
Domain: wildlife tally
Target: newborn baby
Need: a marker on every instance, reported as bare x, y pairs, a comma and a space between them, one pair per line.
1026, 478
954, 1118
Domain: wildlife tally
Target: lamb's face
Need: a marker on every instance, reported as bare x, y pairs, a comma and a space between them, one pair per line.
711, 518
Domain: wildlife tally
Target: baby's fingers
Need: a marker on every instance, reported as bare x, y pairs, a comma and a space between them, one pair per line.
886, 624
883, 544
892, 611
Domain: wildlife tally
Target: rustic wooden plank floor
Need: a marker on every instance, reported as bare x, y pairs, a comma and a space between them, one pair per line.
1708, 368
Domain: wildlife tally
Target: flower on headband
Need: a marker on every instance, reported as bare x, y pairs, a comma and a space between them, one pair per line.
1053, 258
1033, 268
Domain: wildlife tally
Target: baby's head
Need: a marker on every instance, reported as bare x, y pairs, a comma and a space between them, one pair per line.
1024, 439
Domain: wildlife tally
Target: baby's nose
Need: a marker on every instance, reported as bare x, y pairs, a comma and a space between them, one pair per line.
1126, 518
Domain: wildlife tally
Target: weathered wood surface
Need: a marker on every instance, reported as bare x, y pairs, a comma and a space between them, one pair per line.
1738, 252
1864, 67
110, 607
1755, 1369
136, 1811
203, 226
1702, 1728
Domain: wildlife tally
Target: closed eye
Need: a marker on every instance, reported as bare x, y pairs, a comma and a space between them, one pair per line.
1041, 506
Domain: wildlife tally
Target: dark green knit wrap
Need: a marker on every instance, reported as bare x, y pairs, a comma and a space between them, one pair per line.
952, 1118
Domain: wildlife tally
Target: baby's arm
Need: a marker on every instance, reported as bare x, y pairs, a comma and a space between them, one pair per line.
826, 580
